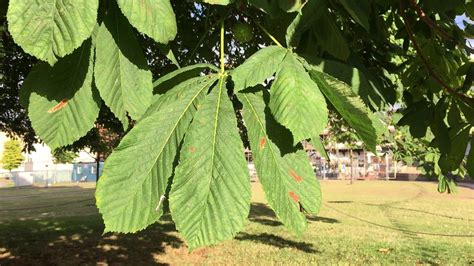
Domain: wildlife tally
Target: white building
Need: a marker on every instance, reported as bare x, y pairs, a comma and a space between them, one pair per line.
41, 159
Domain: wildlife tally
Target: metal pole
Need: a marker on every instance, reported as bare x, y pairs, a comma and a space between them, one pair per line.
46, 178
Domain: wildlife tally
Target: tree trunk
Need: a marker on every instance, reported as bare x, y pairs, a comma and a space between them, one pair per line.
395, 168
387, 176
352, 166
97, 161
338, 162
365, 164
323, 164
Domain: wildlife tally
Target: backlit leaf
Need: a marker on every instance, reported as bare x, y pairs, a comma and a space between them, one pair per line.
210, 195
49, 29
288, 179
154, 18
121, 72
349, 105
62, 103
259, 67
296, 101
136, 175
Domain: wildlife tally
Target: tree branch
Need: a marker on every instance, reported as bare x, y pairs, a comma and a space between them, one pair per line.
425, 62
422, 15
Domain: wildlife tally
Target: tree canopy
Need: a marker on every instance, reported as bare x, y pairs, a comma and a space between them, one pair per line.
182, 79
12, 156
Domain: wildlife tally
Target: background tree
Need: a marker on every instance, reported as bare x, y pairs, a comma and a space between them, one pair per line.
180, 131
63, 156
12, 156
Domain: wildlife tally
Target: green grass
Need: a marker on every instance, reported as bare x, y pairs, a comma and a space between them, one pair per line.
368, 222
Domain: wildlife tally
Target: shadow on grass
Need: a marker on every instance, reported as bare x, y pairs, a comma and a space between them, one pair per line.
389, 205
421, 211
276, 241
262, 214
79, 240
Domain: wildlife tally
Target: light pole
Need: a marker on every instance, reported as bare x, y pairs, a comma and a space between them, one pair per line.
47, 176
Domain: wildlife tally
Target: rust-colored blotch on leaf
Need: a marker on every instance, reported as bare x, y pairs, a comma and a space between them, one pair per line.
296, 176
293, 196
192, 149
263, 141
58, 106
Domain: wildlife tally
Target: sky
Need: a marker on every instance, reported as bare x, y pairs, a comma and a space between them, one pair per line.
459, 21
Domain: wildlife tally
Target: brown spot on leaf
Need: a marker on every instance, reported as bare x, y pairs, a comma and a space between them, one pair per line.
295, 176
58, 106
293, 196
263, 141
192, 149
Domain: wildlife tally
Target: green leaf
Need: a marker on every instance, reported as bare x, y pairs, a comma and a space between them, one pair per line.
267, 6
296, 101
259, 67
288, 180
319, 146
359, 11
121, 72
62, 103
303, 21
50, 29
459, 141
128, 193
349, 105
171, 79
166, 50
292, 5
154, 18
210, 195
367, 90
329, 36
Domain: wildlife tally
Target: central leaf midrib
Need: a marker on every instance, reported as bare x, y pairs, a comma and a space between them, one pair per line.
119, 54
221, 81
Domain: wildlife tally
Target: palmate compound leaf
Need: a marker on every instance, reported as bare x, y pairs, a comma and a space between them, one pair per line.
350, 107
50, 29
296, 101
121, 72
136, 175
210, 195
288, 179
155, 18
61, 101
259, 67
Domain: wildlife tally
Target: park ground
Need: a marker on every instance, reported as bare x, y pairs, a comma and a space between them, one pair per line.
368, 222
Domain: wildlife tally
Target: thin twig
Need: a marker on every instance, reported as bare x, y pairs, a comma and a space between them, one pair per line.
264, 30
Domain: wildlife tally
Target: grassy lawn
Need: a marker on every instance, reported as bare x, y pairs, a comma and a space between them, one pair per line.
368, 222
